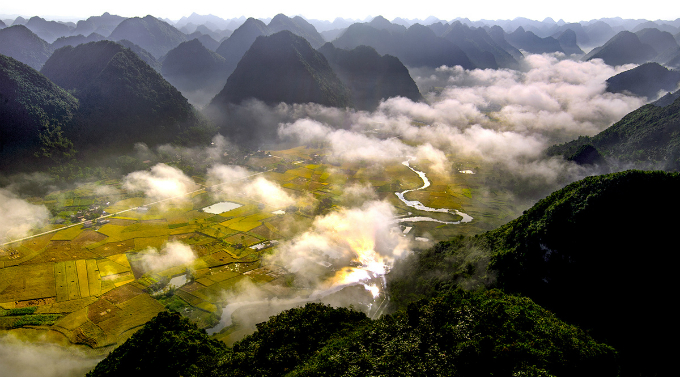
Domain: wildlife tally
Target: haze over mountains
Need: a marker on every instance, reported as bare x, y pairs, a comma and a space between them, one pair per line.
496, 114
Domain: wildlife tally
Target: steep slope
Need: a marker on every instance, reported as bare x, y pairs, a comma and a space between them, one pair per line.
569, 43
23, 45
498, 35
369, 76
153, 35
234, 47
142, 54
284, 68
623, 48
479, 47
646, 80
579, 253
47, 30
29, 102
647, 137
530, 42
122, 99
659, 40
196, 71
297, 26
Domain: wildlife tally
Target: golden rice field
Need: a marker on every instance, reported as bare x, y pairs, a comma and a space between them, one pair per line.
90, 284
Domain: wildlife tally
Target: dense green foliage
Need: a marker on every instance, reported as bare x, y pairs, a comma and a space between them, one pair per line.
598, 254
647, 137
288, 340
464, 334
453, 334
168, 345
30, 104
122, 99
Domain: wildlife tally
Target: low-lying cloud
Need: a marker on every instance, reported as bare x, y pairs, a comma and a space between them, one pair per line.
18, 217
172, 254
233, 181
162, 182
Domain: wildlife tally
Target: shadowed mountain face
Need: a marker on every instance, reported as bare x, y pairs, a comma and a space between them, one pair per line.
568, 41
75, 40
142, 54
575, 251
369, 76
233, 48
482, 50
23, 45
284, 68
155, 36
196, 71
660, 41
646, 80
416, 47
278, 68
625, 47
28, 102
530, 42
122, 99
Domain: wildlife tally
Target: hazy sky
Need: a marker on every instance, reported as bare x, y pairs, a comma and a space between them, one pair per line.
571, 11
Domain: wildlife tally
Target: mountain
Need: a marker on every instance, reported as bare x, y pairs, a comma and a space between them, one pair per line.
155, 36
208, 41
418, 46
75, 40
568, 41
103, 24
659, 40
530, 42
369, 76
196, 71
47, 30
486, 333
623, 48
647, 137
233, 48
23, 45
646, 80
2, 25
575, 252
479, 47
381, 23
498, 35
283, 67
30, 106
142, 54
298, 26
122, 99
580, 33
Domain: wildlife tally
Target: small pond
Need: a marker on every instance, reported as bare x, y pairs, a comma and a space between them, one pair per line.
221, 207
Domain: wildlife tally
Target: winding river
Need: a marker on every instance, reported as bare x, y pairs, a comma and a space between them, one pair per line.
419, 206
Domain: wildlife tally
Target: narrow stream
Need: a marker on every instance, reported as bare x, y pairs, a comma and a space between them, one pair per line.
419, 206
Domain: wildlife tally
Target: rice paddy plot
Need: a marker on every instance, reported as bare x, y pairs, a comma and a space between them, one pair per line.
20, 283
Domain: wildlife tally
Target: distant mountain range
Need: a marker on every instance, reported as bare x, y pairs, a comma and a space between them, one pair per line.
23, 45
